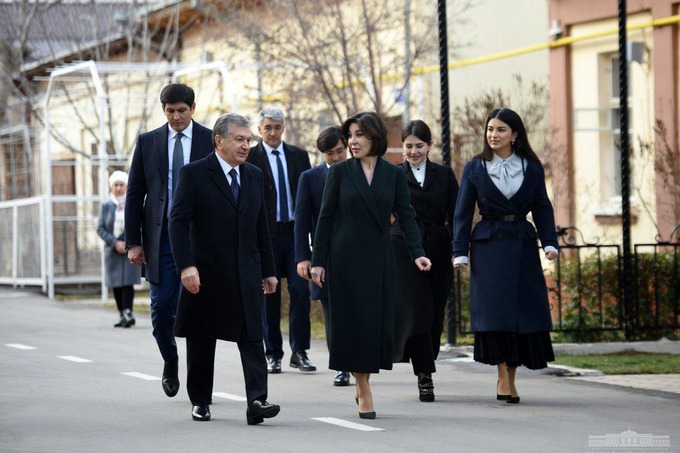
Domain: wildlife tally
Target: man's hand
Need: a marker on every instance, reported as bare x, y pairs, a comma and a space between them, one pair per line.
303, 269
120, 247
423, 263
269, 285
136, 255
190, 279
319, 275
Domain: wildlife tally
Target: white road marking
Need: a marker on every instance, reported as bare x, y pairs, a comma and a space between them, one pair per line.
346, 424
229, 396
19, 346
72, 358
459, 360
146, 377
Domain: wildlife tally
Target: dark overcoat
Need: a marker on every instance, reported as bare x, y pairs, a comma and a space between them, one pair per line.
359, 261
229, 244
147, 191
421, 296
307, 209
507, 287
297, 161
119, 271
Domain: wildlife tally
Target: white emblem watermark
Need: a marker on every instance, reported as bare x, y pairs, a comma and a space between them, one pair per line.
629, 442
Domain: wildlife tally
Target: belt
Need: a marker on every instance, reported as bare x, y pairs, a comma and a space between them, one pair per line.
505, 218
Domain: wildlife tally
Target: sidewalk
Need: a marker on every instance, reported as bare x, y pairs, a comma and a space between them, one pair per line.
657, 382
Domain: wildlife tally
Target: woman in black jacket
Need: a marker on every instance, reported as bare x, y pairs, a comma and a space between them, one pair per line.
421, 298
509, 307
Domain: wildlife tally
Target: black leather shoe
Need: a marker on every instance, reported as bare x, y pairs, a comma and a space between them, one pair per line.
425, 387
513, 400
259, 410
300, 361
170, 379
367, 415
200, 413
273, 366
121, 321
128, 319
341, 379
500, 397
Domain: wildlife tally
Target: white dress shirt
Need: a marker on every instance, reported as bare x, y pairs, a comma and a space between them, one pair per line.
186, 148
226, 168
275, 174
419, 172
508, 176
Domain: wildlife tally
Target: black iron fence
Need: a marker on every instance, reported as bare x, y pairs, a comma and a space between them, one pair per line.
585, 290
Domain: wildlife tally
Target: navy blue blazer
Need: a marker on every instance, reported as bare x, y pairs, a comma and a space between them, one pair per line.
507, 287
147, 191
308, 199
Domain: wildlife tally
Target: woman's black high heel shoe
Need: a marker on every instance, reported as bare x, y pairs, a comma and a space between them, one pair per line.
503, 397
364, 415
512, 399
426, 387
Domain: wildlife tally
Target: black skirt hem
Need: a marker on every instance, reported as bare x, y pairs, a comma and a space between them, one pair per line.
532, 350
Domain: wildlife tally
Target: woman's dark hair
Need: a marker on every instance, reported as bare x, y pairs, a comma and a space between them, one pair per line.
373, 127
521, 145
177, 92
418, 128
330, 137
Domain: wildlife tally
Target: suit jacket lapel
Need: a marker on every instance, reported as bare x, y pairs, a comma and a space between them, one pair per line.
160, 142
430, 174
357, 176
262, 160
198, 143
529, 177
218, 176
244, 174
487, 187
410, 177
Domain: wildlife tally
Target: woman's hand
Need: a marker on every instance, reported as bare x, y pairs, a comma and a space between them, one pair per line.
551, 255
458, 265
319, 275
120, 247
423, 263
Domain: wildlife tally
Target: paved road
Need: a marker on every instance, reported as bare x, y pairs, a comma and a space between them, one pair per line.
51, 400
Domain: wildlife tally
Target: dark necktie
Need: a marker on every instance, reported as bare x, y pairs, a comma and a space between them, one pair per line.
283, 196
177, 162
236, 190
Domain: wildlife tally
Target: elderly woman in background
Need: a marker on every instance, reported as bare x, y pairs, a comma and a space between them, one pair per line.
120, 274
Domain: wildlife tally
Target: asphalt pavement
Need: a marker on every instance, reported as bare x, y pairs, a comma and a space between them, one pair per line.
70, 382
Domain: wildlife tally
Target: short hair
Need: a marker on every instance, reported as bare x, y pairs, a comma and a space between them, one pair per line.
272, 113
223, 124
330, 137
373, 127
177, 92
419, 129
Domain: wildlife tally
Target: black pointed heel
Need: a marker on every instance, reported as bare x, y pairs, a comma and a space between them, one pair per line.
501, 397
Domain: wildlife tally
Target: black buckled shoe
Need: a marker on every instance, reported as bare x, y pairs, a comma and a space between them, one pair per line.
259, 410
273, 366
426, 387
170, 379
300, 361
200, 413
341, 379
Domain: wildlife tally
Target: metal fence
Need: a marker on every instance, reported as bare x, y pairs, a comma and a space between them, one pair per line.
585, 289
22, 242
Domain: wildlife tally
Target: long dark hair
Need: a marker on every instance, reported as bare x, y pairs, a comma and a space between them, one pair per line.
521, 145
418, 128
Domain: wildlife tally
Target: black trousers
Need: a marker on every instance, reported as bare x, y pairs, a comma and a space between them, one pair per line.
201, 369
419, 349
124, 296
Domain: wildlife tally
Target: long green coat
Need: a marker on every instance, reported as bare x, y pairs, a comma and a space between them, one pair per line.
352, 241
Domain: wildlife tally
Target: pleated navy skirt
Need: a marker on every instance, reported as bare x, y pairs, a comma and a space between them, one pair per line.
532, 350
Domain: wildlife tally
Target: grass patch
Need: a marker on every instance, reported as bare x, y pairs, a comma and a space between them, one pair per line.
627, 362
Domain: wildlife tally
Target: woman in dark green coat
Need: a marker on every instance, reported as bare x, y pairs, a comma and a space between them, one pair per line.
352, 242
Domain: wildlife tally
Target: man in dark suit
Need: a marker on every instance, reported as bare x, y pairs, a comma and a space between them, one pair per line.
154, 171
333, 146
282, 165
221, 246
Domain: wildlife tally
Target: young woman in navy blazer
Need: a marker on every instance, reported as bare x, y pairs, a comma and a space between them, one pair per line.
509, 307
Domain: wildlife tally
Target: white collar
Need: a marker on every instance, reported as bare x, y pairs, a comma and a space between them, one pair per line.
511, 159
226, 167
269, 149
187, 132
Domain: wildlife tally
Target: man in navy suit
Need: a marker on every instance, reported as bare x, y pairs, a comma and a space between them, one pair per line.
333, 146
282, 165
154, 172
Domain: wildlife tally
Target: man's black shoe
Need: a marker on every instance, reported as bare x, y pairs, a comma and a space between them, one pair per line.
170, 379
273, 366
259, 410
300, 361
200, 413
341, 379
